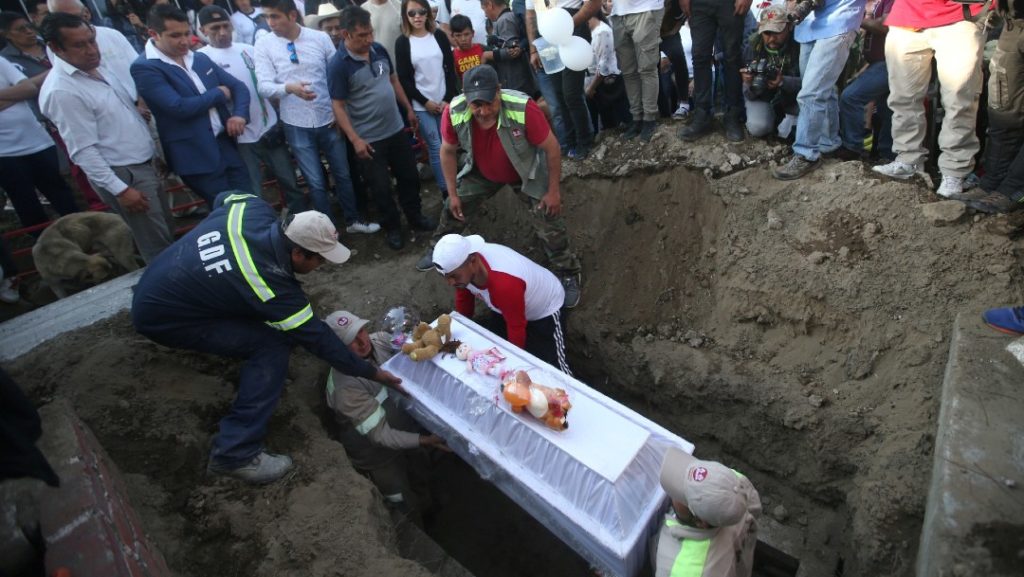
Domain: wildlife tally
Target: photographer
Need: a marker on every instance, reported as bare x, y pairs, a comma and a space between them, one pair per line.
771, 79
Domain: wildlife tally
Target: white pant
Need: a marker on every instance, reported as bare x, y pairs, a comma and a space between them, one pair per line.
908, 56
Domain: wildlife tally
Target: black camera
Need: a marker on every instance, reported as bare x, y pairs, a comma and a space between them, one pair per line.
763, 71
802, 8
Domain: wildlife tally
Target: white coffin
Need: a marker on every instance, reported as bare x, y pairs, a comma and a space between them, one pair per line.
595, 485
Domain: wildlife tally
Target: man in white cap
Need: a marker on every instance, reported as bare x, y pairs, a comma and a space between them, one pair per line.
228, 287
378, 435
525, 298
711, 527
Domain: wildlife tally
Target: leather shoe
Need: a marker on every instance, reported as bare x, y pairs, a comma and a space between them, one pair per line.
394, 238
995, 203
422, 222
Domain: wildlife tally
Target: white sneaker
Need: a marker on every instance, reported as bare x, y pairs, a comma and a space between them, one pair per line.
8, 293
682, 112
951, 187
363, 227
897, 169
264, 468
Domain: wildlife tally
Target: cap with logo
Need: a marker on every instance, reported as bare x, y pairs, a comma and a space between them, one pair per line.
346, 325
453, 249
480, 83
313, 231
713, 492
211, 14
774, 18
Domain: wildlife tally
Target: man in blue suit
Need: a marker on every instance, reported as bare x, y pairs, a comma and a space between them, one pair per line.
190, 97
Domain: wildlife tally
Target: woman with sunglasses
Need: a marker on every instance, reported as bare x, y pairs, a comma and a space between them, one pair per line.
426, 69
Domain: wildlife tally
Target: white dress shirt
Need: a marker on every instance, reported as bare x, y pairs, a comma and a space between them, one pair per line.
98, 121
237, 60
154, 53
116, 55
274, 69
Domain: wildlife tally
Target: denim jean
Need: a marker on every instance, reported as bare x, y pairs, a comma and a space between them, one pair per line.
279, 162
711, 18
817, 127
672, 46
546, 85
307, 145
573, 103
430, 130
871, 86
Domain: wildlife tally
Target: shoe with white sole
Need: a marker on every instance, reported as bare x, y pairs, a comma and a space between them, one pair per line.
362, 227
897, 169
8, 293
951, 187
262, 469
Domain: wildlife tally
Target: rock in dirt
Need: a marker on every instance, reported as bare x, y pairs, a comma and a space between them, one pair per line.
780, 513
774, 221
944, 212
816, 401
817, 257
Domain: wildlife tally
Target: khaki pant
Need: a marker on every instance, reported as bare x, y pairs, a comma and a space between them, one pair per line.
956, 49
637, 40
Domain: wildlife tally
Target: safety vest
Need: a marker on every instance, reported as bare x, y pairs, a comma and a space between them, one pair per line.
529, 161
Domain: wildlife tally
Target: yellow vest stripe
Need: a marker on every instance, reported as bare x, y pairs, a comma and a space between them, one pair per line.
236, 197
295, 321
241, 251
691, 558
370, 422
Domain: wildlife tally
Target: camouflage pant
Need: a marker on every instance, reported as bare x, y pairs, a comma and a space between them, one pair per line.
473, 188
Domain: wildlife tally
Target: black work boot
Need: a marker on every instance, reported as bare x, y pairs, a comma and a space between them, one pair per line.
648, 129
734, 128
697, 128
997, 203
633, 130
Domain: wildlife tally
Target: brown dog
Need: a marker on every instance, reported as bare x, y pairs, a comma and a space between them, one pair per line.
83, 249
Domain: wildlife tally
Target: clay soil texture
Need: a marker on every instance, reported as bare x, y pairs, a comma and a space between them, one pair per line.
796, 331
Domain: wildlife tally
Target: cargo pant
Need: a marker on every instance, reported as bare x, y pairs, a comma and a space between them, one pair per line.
473, 188
1004, 160
637, 42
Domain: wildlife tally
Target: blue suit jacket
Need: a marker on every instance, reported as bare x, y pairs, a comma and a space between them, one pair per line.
181, 112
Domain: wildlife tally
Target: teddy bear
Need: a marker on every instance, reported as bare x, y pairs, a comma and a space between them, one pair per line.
427, 342
549, 405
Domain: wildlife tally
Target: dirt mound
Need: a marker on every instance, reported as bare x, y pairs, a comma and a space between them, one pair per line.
797, 331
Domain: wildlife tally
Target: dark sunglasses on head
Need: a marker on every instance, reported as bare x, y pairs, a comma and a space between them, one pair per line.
415, 13
292, 55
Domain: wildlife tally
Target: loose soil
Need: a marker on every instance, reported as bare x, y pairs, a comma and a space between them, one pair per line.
797, 331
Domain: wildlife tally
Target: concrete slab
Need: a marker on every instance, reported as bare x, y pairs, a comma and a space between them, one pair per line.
974, 519
24, 333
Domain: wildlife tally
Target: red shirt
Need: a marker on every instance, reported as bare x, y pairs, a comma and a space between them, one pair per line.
920, 14
488, 155
466, 59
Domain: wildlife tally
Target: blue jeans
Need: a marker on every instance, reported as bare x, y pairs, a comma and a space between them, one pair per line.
821, 63
430, 130
279, 162
307, 145
871, 86
546, 86
265, 352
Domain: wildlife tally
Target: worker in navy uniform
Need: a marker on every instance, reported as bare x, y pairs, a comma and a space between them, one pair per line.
228, 287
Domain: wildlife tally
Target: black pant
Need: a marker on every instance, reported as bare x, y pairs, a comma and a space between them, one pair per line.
572, 100
232, 174
672, 46
609, 104
21, 176
1004, 166
709, 18
393, 152
545, 338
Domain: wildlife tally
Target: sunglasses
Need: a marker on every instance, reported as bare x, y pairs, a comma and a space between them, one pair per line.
292, 55
415, 13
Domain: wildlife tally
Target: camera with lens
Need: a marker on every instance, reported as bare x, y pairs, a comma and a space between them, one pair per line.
802, 8
762, 71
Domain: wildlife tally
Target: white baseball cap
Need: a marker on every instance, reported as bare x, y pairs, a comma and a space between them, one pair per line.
313, 231
346, 325
713, 492
453, 249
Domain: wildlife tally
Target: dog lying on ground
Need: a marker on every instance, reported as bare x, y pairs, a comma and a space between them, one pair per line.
83, 249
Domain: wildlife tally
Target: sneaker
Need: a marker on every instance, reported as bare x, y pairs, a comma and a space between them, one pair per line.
422, 222
362, 227
571, 284
426, 261
682, 112
734, 128
633, 130
951, 186
993, 203
581, 153
394, 239
264, 468
1009, 320
797, 167
8, 293
700, 126
648, 129
897, 169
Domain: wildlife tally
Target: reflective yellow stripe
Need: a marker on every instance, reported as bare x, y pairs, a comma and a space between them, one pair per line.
370, 422
241, 251
520, 103
295, 321
382, 396
330, 383
691, 558
237, 197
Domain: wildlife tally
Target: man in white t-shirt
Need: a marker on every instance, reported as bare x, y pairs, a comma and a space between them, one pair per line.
386, 20
636, 26
263, 139
248, 23
470, 9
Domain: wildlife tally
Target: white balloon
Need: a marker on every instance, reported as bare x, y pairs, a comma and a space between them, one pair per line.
576, 54
555, 25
